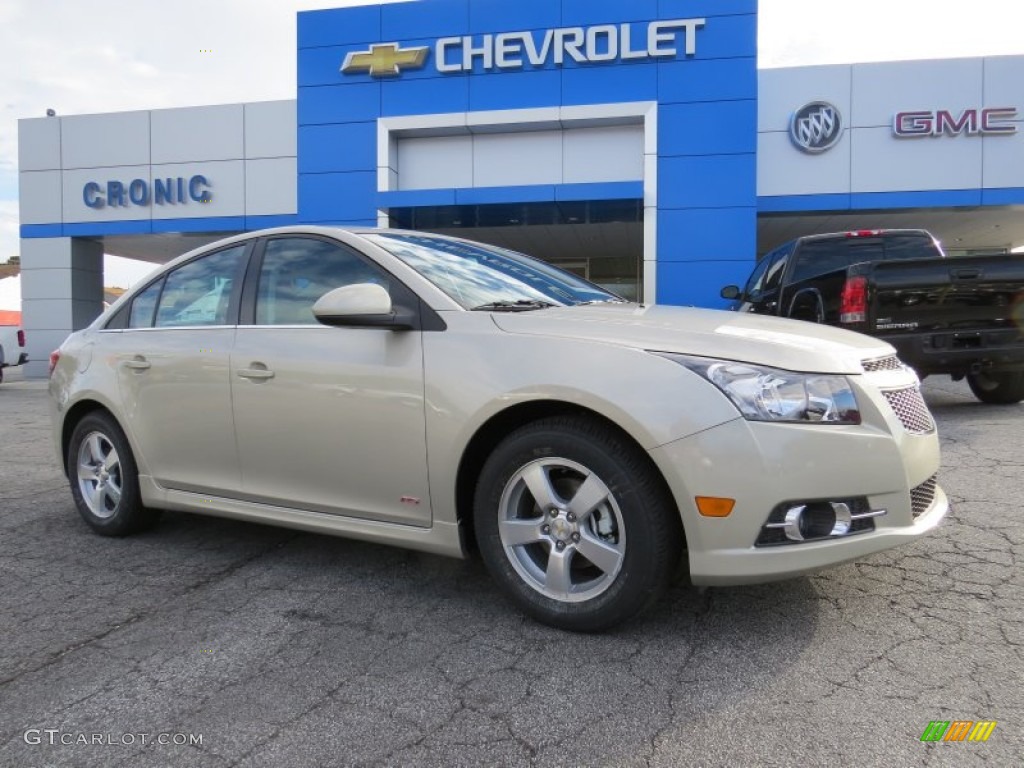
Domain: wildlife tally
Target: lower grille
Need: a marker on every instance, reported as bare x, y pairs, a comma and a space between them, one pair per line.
922, 496
911, 410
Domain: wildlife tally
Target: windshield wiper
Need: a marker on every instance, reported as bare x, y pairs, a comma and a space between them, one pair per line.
600, 301
522, 305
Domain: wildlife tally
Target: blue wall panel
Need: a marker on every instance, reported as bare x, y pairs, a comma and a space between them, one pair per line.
713, 80
686, 9
698, 283
513, 15
511, 90
703, 234
437, 18
426, 96
715, 181
337, 147
589, 12
338, 196
601, 85
707, 128
340, 26
323, 104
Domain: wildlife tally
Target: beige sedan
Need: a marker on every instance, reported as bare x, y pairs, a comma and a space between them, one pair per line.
429, 392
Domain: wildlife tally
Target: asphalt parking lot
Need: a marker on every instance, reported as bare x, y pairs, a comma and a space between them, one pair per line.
278, 648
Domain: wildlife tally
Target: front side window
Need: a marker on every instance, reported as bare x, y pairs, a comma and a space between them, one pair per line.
297, 271
144, 305
199, 292
487, 277
773, 277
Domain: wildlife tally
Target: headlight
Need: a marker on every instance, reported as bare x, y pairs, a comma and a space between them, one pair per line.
771, 394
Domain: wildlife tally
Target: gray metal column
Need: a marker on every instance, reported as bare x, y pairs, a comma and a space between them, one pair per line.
61, 292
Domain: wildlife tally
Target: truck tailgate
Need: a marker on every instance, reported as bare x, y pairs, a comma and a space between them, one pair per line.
981, 293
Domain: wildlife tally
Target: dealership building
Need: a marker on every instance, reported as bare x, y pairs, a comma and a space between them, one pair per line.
635, 143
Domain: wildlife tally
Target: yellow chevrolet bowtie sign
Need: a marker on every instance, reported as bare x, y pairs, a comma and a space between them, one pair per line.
386, 60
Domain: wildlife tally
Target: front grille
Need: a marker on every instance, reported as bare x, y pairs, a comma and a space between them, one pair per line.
890, 363
911, 410
922, 496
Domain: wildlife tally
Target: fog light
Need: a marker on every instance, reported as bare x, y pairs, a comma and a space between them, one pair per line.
797, 522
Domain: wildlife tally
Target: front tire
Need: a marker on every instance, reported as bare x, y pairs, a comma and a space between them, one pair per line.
575, 524
998, 388
104, 478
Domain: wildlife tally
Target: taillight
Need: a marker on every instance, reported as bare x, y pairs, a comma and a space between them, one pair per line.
853, 304
54, 359
21, 338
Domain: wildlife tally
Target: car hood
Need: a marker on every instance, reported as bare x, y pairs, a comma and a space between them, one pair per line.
791, 344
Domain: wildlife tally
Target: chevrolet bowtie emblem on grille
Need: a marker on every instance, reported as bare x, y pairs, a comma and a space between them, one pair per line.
385, 60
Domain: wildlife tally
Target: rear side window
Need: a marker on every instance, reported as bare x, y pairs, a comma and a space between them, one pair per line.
199, 292
819, 257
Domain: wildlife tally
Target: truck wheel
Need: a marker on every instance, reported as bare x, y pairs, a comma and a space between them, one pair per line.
574, 524
998, 388
104, 479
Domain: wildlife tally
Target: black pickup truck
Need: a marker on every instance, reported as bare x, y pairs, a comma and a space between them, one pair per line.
957, 316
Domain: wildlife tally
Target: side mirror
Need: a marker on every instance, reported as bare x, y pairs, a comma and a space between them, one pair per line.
365, 305
731, 292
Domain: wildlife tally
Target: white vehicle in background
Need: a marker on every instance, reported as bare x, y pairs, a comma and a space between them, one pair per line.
12, 348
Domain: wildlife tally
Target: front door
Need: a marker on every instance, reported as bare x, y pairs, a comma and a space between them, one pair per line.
328, 419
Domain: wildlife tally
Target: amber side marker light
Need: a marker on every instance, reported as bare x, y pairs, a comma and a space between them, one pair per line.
709, 506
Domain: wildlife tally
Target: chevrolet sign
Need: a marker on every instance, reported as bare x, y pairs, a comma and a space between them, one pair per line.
515, 50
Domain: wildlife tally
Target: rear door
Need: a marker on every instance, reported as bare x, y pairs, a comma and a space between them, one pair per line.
329, 420
172, 368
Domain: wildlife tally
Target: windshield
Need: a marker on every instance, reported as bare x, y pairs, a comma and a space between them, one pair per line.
486, 277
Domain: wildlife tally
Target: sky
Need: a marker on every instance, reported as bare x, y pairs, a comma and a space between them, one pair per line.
77, 57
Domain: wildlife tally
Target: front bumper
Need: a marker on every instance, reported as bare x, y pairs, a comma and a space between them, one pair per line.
763, 465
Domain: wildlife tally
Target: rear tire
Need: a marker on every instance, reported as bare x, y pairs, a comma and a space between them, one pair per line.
575, 525
104, 478
997, 388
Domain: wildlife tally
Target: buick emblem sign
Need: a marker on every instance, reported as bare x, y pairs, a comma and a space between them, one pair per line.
816, 127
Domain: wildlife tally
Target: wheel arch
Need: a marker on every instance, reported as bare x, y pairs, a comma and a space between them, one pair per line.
489, 434
74, 415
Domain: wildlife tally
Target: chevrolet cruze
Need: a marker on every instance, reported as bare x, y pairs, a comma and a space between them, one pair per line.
435, 393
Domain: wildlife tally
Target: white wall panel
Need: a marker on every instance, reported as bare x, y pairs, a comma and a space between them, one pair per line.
198, 133
436, 162
883, 163
226, 187
615, 153
270, 129
39, 195
537, 159
1004, 76
271, 186
882, 90
782, 169
39, 144
95, 141
783, 91
1003, 160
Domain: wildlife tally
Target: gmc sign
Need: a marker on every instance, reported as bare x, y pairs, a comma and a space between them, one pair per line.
997, 121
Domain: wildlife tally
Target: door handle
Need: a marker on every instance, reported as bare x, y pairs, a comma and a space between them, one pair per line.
138, 364
256, 374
